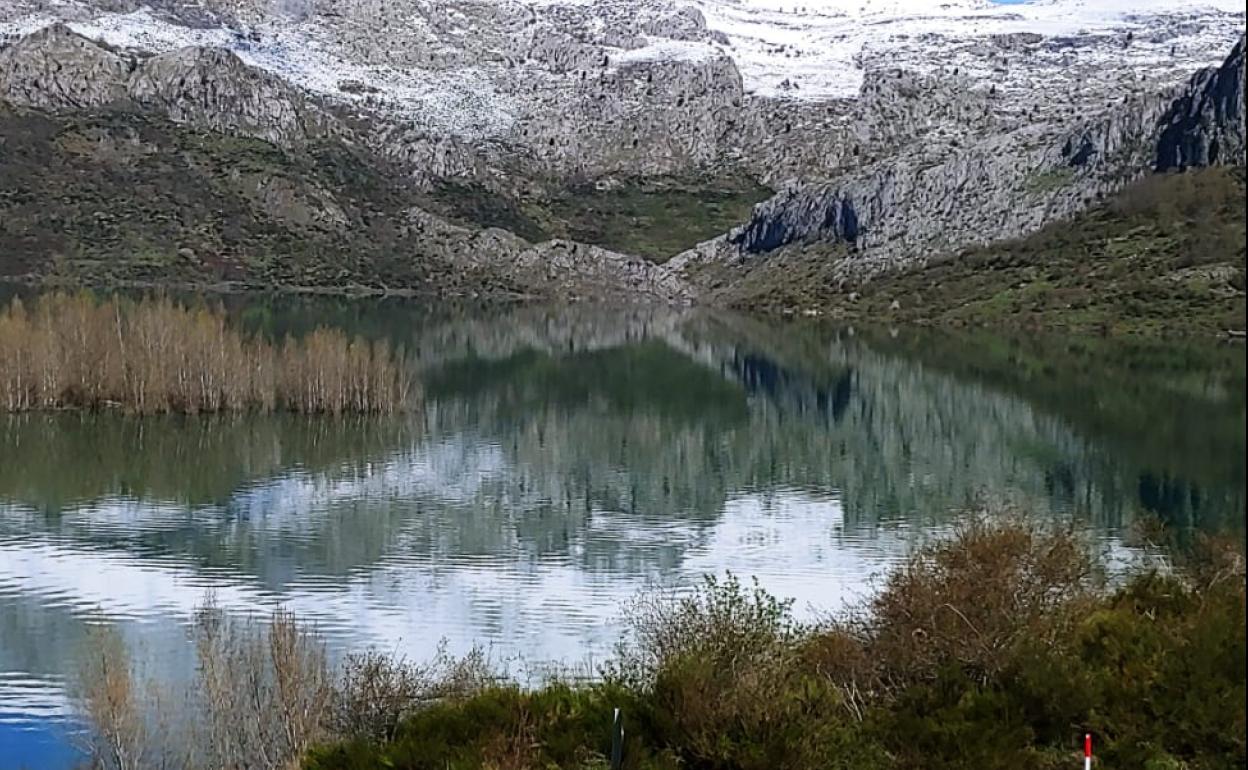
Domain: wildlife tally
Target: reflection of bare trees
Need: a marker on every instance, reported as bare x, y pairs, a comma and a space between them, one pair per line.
111, 695
190, 462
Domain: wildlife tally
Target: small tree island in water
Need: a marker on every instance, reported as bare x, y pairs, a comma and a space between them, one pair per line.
153, 356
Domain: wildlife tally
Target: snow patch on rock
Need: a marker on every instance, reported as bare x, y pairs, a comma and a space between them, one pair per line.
465, 105
818, 49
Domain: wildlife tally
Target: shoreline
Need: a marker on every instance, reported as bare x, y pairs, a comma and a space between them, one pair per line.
838, 316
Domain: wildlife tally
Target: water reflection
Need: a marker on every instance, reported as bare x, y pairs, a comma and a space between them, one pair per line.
567, 458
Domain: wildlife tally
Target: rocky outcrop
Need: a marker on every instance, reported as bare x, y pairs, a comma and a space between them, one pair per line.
891, 210
557, 268
57, 69
1205, 125
297, 206
1120, 138
801, 213
907, 207
212, 88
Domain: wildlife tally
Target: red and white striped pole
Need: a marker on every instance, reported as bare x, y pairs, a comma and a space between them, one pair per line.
1087, 751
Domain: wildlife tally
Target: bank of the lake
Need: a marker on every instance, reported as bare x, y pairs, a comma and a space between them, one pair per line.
998, 648
1001, 645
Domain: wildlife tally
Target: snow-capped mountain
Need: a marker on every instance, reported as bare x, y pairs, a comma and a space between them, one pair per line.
522, 71
799, 49
913, 126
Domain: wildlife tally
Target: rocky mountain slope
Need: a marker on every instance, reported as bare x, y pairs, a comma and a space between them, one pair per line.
644, 87
905, 207
894, 130
192, 167
1163, 256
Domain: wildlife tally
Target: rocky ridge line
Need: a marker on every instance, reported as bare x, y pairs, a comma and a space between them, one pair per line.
55, 69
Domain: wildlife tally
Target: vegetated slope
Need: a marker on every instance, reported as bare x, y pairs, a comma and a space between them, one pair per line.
653, 217
114, 197
120, 196
117, 197
1166, 255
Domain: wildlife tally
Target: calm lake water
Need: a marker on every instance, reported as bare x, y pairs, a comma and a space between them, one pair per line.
566, 459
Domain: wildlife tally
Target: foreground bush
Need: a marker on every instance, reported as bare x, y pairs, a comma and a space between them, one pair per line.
153, 356
997, 648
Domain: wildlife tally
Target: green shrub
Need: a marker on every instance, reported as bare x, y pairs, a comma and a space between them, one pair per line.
996, 649
721, 683
558, 726
1165, 662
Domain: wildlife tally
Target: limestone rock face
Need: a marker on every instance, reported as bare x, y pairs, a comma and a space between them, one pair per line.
897, 105
633, 117
56, 69
212, 88
1205, 125
493, 90
908, 207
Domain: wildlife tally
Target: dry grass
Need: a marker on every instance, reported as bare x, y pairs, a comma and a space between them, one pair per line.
154, 356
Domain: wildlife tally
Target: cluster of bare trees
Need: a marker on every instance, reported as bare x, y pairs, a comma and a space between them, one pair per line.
155, 356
